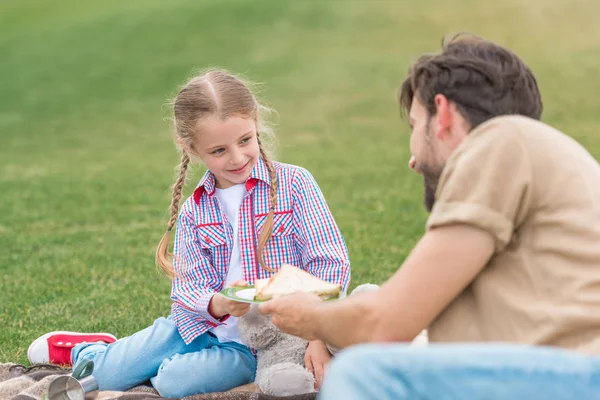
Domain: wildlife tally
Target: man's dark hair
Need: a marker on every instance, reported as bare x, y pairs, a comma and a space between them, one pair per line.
483, 79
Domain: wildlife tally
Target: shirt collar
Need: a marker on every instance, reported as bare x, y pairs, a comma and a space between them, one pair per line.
207, 183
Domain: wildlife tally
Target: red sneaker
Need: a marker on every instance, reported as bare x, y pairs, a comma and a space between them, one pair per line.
55, 347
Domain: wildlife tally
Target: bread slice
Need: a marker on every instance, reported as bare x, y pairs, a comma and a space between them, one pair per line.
290, 279
259, 284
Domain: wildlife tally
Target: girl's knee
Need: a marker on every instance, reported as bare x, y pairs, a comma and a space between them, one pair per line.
164, 327
176, 377
171, 377
180, 376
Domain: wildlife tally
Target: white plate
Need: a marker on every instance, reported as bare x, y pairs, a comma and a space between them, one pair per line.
241, 294
246, 294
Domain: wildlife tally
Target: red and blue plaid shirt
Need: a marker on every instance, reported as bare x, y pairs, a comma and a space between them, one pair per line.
304, 234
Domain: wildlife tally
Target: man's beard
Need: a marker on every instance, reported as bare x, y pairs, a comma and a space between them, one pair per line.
430, 171
431, 179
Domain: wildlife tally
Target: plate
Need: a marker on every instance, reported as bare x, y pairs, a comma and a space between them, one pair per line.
245, 294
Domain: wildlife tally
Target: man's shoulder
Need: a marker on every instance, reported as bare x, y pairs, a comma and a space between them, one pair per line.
501, 137
514, 136
514, 127
510, 127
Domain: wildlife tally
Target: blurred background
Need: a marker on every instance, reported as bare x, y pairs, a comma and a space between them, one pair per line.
86, 153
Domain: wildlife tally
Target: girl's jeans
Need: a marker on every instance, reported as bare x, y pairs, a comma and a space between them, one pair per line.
159, 354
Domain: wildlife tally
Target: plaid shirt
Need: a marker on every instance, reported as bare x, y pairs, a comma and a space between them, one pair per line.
304, 235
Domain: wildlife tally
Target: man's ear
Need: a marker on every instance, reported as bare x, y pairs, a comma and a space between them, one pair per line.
444, 115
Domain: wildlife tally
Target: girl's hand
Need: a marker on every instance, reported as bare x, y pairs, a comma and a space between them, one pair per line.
316, 358
220, 306
235, 308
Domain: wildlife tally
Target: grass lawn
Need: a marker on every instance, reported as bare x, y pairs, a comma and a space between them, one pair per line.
86, 156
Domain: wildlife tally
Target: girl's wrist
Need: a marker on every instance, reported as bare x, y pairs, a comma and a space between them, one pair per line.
215, 307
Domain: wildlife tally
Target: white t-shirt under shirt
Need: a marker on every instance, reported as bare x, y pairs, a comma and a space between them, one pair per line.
231, 199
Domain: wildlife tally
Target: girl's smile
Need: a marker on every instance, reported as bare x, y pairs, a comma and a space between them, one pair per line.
240, 170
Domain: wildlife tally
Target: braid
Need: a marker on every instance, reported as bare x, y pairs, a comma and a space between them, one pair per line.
267, 230
163, 257
177, 189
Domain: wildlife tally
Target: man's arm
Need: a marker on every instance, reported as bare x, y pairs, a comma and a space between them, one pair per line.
442, 264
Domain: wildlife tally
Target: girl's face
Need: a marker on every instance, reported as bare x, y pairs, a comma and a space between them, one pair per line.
229, 148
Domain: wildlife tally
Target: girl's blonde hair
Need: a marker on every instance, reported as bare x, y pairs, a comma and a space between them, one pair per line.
221, 94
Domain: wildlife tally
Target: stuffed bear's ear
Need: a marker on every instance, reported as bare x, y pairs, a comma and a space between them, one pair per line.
365, 287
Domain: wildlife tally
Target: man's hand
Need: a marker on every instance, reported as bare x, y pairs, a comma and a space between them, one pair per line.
316, 358
220, 306
294, 314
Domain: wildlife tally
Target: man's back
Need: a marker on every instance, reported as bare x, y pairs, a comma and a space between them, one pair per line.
537, 192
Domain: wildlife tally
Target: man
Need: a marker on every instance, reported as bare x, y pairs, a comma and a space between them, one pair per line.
511, 252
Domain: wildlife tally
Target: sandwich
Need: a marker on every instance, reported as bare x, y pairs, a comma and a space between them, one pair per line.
290, 279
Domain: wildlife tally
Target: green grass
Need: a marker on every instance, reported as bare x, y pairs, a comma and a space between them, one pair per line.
86, 158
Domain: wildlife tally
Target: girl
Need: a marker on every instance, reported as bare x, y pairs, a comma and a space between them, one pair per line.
247, 216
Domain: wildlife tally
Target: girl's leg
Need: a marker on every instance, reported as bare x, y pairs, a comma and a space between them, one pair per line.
462, 371
220, 367
135, 359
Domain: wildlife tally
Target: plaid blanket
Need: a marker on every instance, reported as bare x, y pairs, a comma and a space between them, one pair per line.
18, 382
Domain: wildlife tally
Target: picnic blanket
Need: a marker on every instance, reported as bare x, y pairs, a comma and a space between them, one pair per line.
18, 382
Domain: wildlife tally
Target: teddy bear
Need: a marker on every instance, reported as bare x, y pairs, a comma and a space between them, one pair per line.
280, 357
280, 367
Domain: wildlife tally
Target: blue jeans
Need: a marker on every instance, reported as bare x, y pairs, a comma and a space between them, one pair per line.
159, 354
461, 372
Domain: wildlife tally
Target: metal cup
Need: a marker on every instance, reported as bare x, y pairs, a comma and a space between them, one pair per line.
68, 388
80, 385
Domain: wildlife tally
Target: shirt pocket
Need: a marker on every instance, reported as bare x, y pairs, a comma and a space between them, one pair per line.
283, 223
213, 244
281, 248
211, 235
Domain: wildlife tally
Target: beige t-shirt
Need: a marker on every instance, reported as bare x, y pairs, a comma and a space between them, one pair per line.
537, 192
